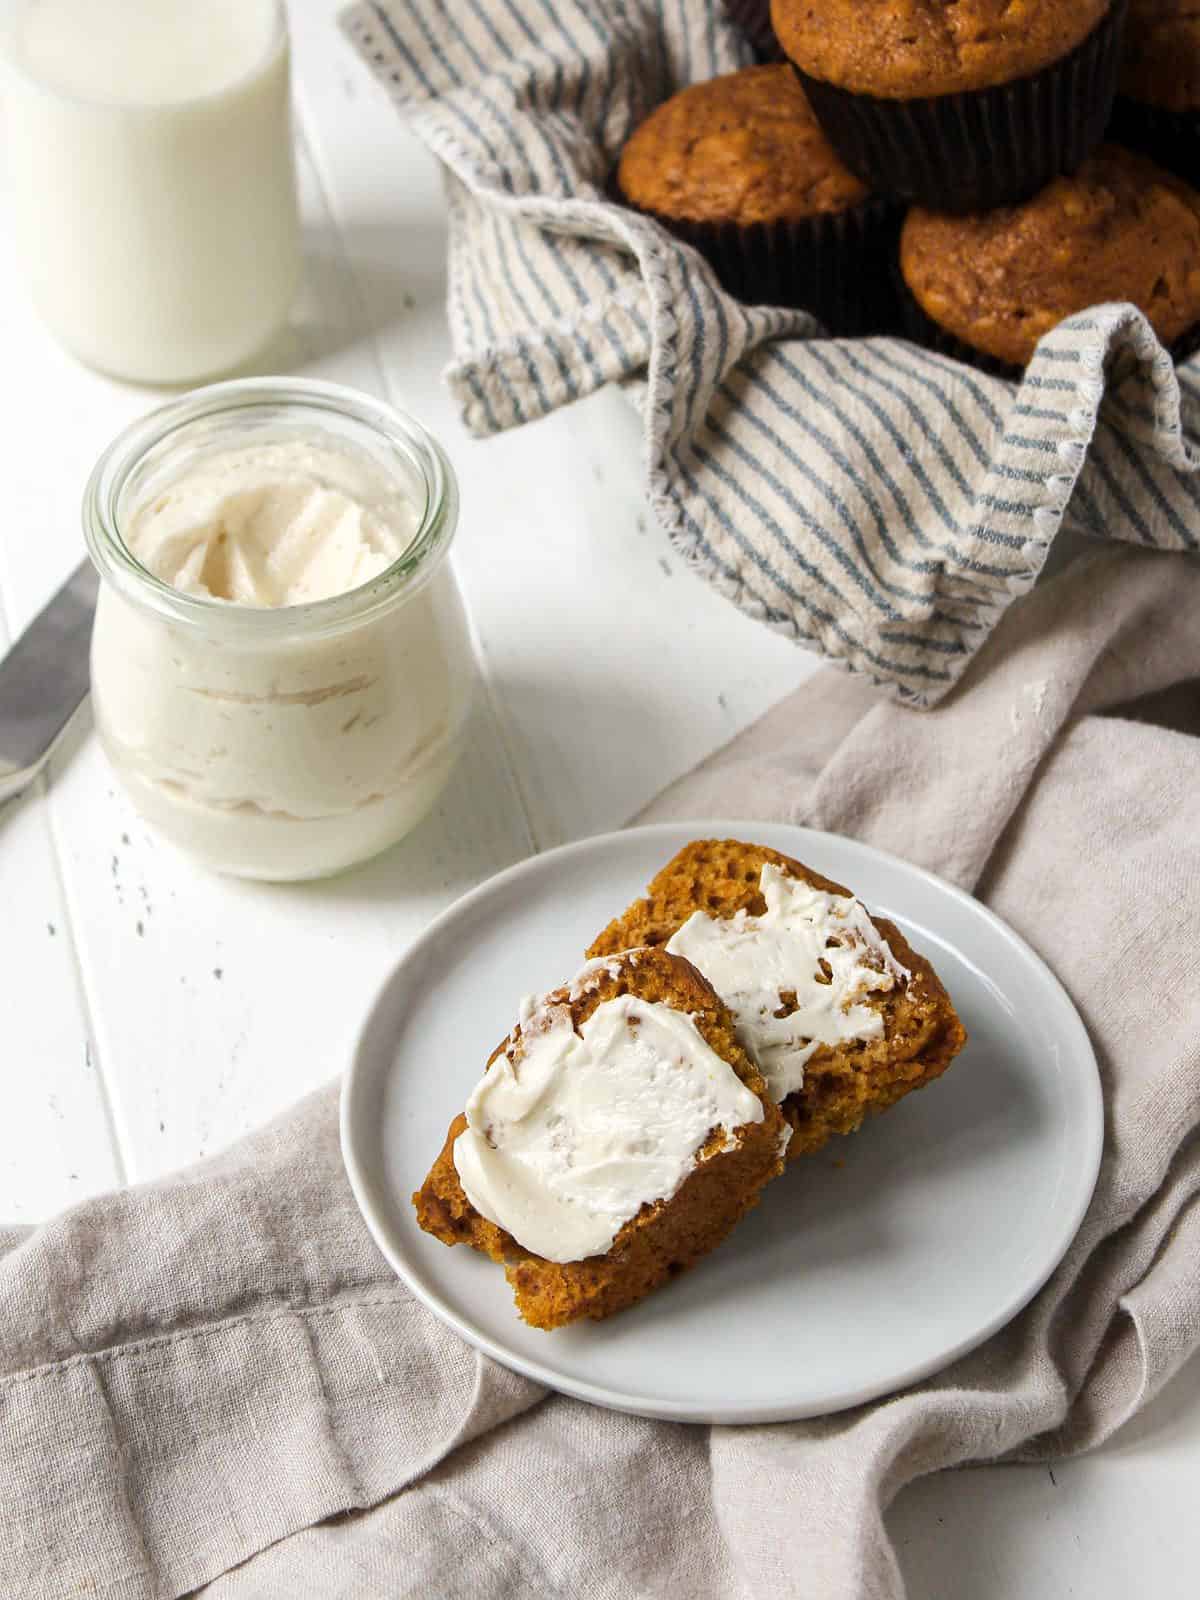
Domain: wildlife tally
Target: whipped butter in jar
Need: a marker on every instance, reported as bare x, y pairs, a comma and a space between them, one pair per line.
281, 667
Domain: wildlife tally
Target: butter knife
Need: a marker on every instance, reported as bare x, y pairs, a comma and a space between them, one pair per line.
43, 679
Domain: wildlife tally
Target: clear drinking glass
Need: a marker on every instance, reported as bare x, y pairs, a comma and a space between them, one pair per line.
290, 742
151, 179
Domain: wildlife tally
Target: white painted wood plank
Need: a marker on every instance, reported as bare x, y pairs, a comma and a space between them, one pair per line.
219, 1003
55, 1140
615, 668
624, 668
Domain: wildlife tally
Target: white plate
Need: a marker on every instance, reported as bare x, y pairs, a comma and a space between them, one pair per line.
866, 1266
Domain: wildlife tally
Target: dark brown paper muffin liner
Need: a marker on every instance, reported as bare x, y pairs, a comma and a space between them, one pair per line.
753, 17
1171, 138
836, 265
984, 147
921, 329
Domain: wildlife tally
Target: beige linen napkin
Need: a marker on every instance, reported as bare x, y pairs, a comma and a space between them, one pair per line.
215, 1381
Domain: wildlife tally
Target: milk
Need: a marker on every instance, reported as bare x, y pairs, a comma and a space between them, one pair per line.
151, 178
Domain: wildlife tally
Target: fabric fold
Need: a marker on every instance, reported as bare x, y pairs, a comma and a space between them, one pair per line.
880, 503
193, 1370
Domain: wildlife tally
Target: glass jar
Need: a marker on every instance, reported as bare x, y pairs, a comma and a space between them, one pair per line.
151, 178
293, 741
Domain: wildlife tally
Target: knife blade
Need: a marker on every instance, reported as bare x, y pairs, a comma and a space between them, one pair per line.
44, 678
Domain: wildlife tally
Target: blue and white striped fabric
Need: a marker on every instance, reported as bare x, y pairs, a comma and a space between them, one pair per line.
878, 502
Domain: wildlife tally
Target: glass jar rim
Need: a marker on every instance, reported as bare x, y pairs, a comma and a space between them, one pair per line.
10, 57
412, 569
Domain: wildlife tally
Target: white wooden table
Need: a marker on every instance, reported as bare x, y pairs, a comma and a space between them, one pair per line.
150, 1014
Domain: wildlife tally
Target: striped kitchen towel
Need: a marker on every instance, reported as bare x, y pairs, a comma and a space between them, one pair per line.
878, 502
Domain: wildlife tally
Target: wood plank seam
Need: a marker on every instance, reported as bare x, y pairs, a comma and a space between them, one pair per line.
40, 795
91, 1045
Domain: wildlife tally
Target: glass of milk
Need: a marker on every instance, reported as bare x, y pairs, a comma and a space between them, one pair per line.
151, 178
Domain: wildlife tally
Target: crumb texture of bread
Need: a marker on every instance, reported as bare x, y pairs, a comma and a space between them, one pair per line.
665, 1237
922, 1033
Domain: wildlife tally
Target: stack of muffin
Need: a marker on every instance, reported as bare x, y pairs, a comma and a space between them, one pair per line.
938, 169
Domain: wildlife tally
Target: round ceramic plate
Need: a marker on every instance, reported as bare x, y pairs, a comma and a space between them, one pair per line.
866, 1266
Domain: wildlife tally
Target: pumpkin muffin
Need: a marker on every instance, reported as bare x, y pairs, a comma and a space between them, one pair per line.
916, 1032
1122, 229
914, 49
1158, 95
729, 1166
739, 168
965, 105
744, 147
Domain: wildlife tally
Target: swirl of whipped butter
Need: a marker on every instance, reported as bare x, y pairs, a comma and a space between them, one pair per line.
277, 524
570, 1133
822, 948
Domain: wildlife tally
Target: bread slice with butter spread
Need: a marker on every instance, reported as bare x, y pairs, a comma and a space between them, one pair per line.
834, 1055
553, 1136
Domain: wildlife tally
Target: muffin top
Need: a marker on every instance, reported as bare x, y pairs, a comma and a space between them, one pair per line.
1160, 63
1120, 229
744, 148
911, 49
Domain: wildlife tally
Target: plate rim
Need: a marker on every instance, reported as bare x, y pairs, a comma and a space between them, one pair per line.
681, 1411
